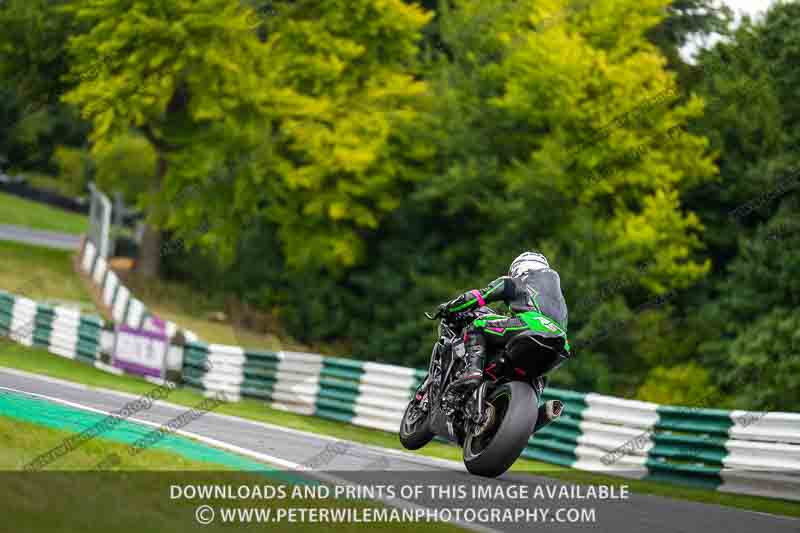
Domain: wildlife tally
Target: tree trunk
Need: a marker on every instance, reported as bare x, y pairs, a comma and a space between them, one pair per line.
149, 262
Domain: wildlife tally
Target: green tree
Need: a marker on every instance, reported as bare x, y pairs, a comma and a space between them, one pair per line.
758, 310
687, 20
779, 38
765, 362
570, 137
74, 168
189, 76
32, 62
516, 119
348, 120
749, 217
688, 384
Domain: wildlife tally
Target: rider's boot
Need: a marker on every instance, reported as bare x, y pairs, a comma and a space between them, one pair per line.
472, 375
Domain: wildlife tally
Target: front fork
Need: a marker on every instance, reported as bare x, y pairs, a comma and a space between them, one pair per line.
420, 393
422, 389
480, 403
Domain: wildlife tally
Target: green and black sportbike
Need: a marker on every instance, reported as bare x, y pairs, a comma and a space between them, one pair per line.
495, 420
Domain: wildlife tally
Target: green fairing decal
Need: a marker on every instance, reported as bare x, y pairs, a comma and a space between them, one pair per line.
482, 322
501, 333
542, 323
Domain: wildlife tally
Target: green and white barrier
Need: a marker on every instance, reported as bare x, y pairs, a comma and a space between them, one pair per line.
23, 317
285, 380
734, 451
125, 308
365, 394
61, 330
731, 451
68, 333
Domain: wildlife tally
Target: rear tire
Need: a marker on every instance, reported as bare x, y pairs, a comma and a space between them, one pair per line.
414, 436
494, 451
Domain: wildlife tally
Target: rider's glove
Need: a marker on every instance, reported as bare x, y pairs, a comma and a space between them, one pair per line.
443, 310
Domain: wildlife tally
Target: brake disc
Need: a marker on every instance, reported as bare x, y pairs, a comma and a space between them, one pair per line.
415, 414
488, 420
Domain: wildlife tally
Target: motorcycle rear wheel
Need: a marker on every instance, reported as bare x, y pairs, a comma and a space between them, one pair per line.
514, 412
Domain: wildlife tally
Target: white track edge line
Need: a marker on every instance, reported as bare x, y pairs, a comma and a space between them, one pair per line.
399, 453
412, 457
454, 465
257, 455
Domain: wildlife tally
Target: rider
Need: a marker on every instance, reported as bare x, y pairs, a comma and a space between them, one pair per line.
531, 289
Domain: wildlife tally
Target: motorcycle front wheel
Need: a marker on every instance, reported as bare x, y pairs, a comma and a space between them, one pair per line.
415, 428
512, 410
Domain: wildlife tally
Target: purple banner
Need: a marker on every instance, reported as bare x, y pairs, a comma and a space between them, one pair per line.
141, 351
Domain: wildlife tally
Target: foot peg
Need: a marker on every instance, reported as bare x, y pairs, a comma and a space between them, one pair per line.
548, 411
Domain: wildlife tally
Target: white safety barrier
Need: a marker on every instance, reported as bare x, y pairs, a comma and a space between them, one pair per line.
125, 308
733, 451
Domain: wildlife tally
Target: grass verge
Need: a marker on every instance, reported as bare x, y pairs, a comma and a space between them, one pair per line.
193, 311
41, 362
23, 441
23, 212
139, 499
40, 273
46, 274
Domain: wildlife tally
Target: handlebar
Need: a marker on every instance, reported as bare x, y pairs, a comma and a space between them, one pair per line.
464, 315
434, 316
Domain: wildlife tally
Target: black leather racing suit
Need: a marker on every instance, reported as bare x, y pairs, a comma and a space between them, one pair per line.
534, 292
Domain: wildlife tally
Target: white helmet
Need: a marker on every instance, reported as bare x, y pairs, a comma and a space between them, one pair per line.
527, 261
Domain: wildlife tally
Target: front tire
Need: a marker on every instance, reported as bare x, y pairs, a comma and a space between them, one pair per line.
415, 433
495, 449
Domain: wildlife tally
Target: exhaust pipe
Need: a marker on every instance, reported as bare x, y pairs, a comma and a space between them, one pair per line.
548, 411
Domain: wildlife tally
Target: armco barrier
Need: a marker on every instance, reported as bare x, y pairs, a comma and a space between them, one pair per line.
365, 394
700, 447
125, 308
60, 330
731, 451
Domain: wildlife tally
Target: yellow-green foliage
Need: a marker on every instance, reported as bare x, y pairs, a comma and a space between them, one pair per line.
594, 94
349, 102
128, 163
137, 58
190, 76
314, 121
688, 384
71, 164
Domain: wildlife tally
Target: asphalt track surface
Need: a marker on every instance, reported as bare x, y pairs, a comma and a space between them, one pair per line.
350, 462
48, 239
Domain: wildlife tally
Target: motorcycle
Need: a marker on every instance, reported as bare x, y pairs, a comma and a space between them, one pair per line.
493, 424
